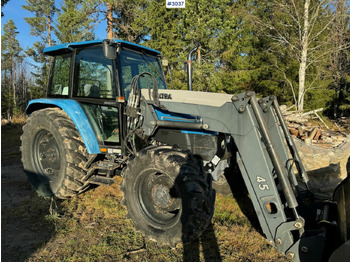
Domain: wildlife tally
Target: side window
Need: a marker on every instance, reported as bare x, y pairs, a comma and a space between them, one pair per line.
94, 74
59, 84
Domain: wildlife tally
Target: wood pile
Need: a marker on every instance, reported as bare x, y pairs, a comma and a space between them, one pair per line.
300, 127
299, 116
315, 135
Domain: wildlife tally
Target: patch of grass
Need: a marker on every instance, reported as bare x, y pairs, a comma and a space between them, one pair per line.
93, 227
227, 212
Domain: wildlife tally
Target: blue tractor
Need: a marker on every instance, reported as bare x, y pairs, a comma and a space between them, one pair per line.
108, 112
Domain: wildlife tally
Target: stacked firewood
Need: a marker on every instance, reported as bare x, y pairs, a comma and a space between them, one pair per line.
300, 127
315, 135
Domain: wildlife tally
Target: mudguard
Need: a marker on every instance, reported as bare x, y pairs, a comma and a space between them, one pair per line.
76, 113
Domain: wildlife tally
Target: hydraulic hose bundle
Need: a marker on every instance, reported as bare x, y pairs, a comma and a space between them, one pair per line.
134, 118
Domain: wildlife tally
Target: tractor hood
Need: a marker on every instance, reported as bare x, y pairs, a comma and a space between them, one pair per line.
189, 97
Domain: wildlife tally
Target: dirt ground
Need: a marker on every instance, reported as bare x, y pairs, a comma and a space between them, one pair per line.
23, 228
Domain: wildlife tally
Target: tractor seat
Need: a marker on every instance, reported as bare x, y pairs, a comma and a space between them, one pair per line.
92, 91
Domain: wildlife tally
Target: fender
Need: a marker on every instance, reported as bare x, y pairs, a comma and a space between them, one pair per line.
76, 113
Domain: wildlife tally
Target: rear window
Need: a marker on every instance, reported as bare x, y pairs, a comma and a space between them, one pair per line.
59, 85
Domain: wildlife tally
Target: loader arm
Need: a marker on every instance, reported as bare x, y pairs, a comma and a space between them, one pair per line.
266, 155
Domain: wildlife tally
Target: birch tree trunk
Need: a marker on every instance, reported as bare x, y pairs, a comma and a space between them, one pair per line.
303, 57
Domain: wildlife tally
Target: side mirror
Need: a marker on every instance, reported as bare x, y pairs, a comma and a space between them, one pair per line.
109, 49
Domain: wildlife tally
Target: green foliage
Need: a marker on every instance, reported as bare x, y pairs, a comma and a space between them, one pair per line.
339, 61
128, 24
244, 57
42, 69
243, 45
162, 24
41, 26
74, 24
10, 58
10, 46
41, 22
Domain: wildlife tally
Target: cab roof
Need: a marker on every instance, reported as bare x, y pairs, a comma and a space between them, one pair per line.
68, 47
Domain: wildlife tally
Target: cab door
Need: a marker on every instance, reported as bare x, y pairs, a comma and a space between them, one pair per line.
95, 87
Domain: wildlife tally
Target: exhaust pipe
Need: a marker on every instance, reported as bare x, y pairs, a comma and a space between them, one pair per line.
189, 67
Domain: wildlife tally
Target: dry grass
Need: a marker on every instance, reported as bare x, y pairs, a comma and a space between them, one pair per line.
18, 119
93, 227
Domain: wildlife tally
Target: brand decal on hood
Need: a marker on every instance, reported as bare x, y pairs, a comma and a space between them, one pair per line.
165, 96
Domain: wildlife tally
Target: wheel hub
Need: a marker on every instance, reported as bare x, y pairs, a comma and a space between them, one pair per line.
161, 196
46, 154
158, 197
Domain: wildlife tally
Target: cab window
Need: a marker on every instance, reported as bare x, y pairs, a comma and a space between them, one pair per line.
134, 63
94, 77
59, 84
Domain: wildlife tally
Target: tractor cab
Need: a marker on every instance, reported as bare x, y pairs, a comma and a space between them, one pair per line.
100, 82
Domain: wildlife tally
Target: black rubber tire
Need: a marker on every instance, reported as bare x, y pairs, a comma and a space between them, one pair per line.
53, 154
168, 195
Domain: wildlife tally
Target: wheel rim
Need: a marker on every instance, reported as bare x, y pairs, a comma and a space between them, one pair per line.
46, 157
158, 197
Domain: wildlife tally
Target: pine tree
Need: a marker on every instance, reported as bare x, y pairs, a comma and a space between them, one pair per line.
122, 17
104, 8
127, 23
73, 23
244, 60
10, 56
163, 25
202, 24
41, 23
176, 31
41, 74
41, 26
339, 64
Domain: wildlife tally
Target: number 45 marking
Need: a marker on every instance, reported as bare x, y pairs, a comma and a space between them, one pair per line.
262, 184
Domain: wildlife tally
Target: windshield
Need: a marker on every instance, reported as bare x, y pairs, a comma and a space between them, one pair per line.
134, 63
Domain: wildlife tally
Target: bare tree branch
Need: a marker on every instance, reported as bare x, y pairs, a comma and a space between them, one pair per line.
288, 81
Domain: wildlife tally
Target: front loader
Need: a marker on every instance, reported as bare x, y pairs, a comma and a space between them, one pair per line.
108, 112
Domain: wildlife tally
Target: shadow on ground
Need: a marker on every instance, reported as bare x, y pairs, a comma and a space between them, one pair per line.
24, 227
210, 248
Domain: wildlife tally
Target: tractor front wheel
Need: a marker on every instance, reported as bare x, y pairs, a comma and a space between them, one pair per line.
168, 195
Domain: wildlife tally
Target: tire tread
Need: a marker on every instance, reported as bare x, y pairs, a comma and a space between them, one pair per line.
75, 152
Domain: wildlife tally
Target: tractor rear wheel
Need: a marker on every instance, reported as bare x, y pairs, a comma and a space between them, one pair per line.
168, 195
53, 154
